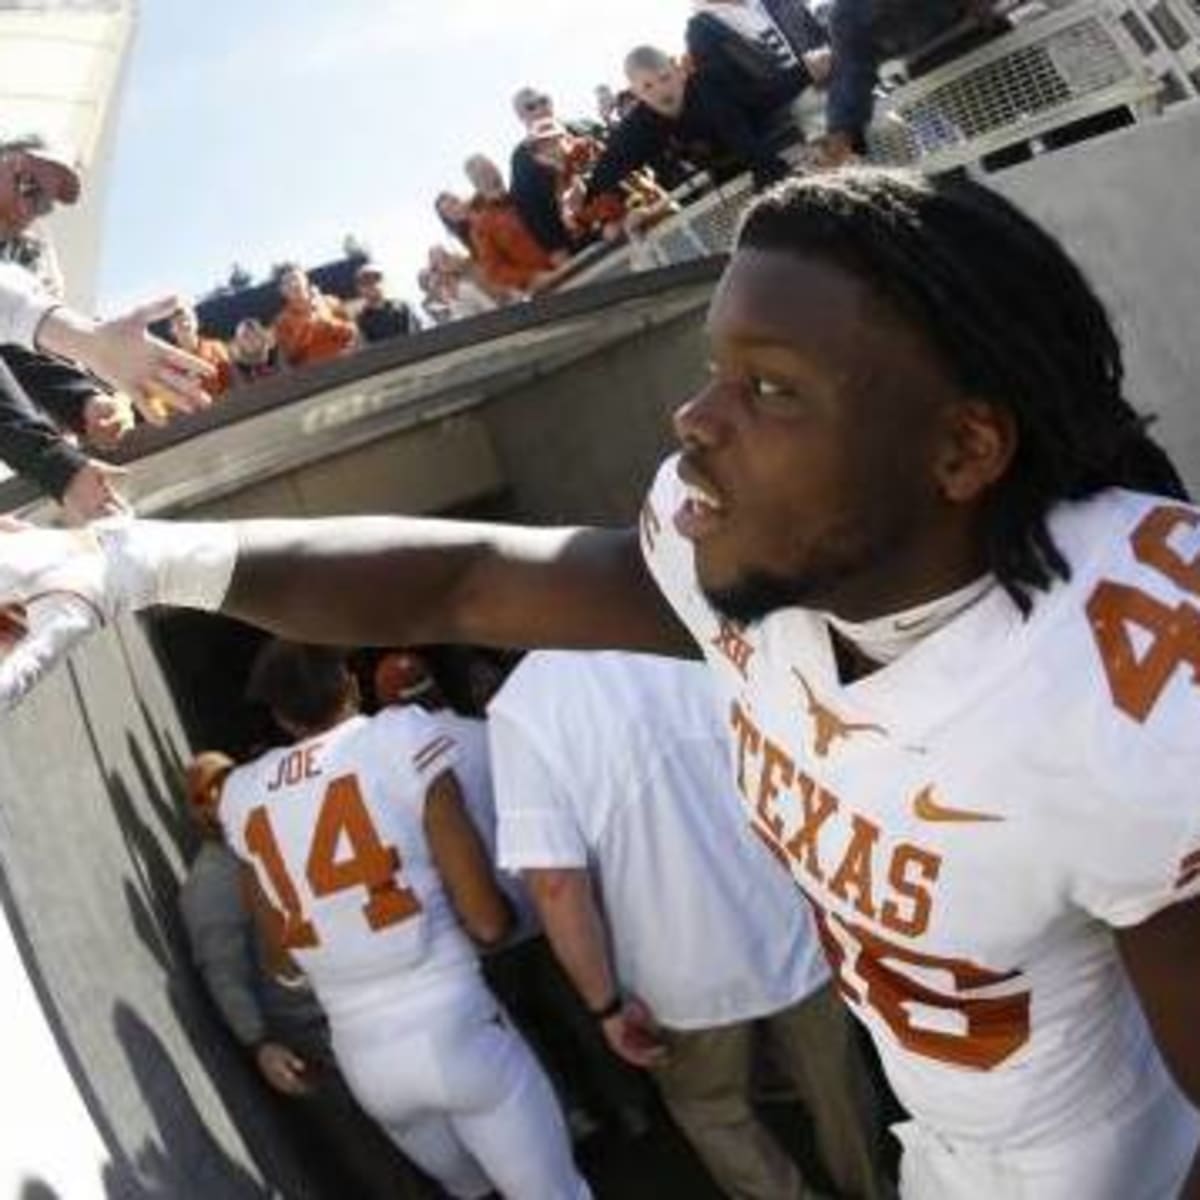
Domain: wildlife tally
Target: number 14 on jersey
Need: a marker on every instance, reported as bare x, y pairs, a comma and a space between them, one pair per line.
369, 864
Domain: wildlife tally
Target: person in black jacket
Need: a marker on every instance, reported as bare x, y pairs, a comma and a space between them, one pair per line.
534, 186
378, 317
864, 33
34, 447
698, 117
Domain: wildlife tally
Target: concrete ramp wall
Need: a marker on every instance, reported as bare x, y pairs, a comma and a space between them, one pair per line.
90, 857
1126, 207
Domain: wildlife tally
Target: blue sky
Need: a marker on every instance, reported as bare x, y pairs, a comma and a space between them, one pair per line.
261, 130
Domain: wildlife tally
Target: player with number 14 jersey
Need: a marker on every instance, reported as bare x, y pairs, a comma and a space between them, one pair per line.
336, 829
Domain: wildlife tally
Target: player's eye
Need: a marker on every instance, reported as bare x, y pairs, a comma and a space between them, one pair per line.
770, 394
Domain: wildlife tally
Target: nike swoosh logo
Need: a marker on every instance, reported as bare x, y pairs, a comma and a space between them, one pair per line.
927, 808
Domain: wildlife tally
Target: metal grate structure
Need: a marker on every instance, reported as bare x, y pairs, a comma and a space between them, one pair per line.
1079, 59
1056, 69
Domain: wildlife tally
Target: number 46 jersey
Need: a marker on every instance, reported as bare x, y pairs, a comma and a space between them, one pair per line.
971, 821
333, 828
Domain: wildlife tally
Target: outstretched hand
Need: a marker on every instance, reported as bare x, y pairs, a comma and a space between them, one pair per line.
159, 378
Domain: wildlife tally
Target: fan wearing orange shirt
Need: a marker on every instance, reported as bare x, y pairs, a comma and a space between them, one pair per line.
312, 327
185, 333
509, 257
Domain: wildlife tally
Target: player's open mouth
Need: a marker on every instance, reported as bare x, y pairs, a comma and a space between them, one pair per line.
701, 513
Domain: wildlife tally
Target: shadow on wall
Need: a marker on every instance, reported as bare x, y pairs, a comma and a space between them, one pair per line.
94, 846
152, 1172
151, 900
37, 1189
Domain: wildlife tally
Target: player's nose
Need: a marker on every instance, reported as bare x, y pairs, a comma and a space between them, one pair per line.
704, 419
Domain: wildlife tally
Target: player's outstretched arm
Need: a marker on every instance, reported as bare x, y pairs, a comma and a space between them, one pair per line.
352, 581
396, 581
1160, 956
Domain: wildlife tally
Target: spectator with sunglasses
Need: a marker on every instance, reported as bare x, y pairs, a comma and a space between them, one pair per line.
42, 394
34, 177
534, 185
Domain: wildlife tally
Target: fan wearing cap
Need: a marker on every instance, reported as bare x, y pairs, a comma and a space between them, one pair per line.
377, 315
534, 186
34, 326
34, 177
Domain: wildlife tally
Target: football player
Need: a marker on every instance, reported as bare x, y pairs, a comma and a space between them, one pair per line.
361, 842
950, 591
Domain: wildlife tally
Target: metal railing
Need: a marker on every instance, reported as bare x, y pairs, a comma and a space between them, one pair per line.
1079, 59
1050, 72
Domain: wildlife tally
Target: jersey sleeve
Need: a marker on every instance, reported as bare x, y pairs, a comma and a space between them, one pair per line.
1136, 844
1137, 849
669, 555
536, 824
430, 747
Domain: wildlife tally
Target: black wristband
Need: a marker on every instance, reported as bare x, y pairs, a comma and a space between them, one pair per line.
611, 1009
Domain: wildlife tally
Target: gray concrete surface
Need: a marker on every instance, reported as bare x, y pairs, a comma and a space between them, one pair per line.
1126, 207
90, 856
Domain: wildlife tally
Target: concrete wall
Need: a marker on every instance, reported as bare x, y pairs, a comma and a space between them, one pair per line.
1126, 207
582, 445
90, 856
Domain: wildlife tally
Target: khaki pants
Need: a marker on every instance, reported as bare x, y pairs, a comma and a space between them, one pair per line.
705, 1084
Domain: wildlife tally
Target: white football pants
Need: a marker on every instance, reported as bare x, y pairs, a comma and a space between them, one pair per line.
459, 1091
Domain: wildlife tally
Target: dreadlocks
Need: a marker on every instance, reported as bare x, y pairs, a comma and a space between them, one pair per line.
1013, 319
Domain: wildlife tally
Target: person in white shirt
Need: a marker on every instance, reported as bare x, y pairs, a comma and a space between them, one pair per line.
364, 850
611, 776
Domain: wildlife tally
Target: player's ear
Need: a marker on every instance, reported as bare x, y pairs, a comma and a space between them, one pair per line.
976, 450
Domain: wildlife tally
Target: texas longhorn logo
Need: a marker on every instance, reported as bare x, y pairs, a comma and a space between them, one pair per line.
828, 727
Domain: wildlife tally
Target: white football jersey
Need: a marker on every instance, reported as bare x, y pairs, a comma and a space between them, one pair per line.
971, 819
334, 829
